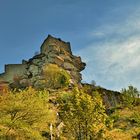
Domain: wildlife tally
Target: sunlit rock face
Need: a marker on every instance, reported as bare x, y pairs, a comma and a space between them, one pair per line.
52, 51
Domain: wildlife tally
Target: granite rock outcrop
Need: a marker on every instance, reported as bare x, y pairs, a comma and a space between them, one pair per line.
52, 51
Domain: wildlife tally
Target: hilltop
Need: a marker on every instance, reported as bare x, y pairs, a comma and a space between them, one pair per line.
52, 51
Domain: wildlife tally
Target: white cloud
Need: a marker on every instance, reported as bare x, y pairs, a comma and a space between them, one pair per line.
114, 62
97, 34
128, 26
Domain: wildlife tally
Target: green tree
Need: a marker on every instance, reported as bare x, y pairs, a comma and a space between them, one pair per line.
83, 116
55, 77
130, 95
24, 114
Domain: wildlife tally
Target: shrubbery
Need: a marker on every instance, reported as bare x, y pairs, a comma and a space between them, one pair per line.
83, 115
55, 77
70, 114
24, 114
130, 96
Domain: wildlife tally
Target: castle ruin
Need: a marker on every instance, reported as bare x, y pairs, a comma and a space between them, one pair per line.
52, 51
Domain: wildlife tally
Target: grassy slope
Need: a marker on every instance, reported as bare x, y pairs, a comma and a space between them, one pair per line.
126, 124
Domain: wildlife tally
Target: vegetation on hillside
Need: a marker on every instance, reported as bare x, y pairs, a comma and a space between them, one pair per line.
60, 112
55, 77
83, 116
130, 96
24, 114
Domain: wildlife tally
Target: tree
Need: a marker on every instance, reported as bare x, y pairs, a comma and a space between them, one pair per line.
24, 114
83, 116
55, 77
130, 95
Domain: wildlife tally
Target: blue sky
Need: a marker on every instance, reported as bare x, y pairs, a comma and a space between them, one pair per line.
105, 33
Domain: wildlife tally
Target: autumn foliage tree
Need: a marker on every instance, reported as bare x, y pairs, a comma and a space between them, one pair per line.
83, 116
24, 114
130, 95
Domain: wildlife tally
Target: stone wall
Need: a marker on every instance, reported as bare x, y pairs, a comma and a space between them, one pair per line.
57, 43
12, 70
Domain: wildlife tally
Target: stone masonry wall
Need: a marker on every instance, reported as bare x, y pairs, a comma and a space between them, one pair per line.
11, 71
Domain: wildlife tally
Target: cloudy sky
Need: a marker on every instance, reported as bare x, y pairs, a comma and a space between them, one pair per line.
105, 33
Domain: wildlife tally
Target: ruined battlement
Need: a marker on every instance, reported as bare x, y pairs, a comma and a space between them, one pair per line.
57, 43
11, 71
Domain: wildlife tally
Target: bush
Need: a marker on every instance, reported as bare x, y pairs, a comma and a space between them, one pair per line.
55, 77
135, 119
130, 96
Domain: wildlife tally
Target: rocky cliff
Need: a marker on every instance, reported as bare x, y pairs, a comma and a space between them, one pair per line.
53, 51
